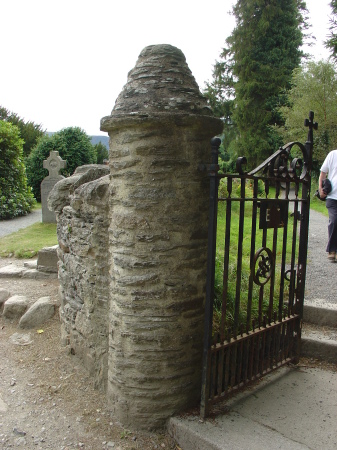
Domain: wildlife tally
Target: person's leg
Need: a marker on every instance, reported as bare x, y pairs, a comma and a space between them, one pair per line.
332, 227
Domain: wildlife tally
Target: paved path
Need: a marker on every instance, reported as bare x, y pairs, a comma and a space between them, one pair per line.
9, 226
291, 409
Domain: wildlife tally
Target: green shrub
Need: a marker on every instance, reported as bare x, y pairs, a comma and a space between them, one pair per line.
16, 198
73, 145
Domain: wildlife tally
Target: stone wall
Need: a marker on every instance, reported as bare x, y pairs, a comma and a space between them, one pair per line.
81, 206
133, 246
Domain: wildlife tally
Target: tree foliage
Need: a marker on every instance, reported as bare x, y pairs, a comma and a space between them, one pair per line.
331, 42
29, 131
16, 198
254, 73
73, 145
314, 87
101, 152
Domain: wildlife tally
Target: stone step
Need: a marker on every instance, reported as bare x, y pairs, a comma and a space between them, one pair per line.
319, 330
319, 342
320, 312
25, 270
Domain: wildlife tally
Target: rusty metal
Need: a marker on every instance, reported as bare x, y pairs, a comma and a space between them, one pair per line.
254, 327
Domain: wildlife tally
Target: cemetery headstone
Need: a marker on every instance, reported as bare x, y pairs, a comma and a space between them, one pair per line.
54, 163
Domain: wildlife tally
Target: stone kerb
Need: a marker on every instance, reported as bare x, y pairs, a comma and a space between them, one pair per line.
160, 131
54, 163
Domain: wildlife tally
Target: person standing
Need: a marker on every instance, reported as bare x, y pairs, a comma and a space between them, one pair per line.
328, 189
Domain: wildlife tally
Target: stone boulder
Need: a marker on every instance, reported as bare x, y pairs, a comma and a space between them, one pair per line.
4, 295
15, 306
42, 310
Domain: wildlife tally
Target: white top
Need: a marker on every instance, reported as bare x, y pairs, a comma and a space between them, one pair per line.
329, 166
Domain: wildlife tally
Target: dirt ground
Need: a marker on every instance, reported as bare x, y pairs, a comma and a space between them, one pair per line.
47, 400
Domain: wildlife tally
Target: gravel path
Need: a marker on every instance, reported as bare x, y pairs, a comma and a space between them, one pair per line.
9, 226
321, 273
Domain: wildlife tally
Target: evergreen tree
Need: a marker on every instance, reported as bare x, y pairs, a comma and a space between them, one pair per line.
29, 131
256, 69
331, 43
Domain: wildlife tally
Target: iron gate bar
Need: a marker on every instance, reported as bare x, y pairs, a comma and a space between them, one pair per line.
241, 352
277, 355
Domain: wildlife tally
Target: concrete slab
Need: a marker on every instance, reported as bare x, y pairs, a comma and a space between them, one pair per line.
293, 408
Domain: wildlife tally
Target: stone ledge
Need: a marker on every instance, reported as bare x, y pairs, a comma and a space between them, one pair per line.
320, 312
27, 270
325, 350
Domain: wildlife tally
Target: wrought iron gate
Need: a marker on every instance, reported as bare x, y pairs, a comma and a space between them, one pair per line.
258, 234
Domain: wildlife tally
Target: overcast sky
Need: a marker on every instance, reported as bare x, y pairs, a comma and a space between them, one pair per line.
64, 62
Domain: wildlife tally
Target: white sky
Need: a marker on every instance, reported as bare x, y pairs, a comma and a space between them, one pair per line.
64, 62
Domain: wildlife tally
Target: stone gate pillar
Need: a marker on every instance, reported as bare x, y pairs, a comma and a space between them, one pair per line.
160, 131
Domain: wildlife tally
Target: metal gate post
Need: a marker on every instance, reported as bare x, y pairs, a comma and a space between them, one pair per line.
212, 227
304, 228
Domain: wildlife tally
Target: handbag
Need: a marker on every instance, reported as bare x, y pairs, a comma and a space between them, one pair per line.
327, 187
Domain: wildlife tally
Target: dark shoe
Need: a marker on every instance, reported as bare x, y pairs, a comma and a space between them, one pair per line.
332, 256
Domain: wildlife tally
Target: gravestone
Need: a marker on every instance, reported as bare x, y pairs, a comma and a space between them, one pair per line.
54, 163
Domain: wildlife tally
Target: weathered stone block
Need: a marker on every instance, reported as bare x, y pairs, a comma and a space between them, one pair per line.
47, 259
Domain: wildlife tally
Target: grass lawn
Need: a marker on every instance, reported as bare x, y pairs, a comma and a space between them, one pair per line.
27, 242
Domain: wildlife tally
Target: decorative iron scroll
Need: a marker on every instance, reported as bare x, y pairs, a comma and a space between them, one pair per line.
264, 261
281, 164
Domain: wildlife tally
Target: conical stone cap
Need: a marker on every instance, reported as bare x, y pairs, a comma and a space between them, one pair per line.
161, 82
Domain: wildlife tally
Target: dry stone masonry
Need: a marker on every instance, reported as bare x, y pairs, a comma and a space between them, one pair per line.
81, 206
133, 244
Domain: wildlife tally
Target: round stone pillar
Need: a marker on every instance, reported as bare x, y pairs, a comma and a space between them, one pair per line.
160, 131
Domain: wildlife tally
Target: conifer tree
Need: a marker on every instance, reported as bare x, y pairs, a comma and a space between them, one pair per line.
331, 43
256, 66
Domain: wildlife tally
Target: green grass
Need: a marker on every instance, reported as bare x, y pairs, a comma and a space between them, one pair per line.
318, 205
315, 204
245, 274
268, 295
27, 242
